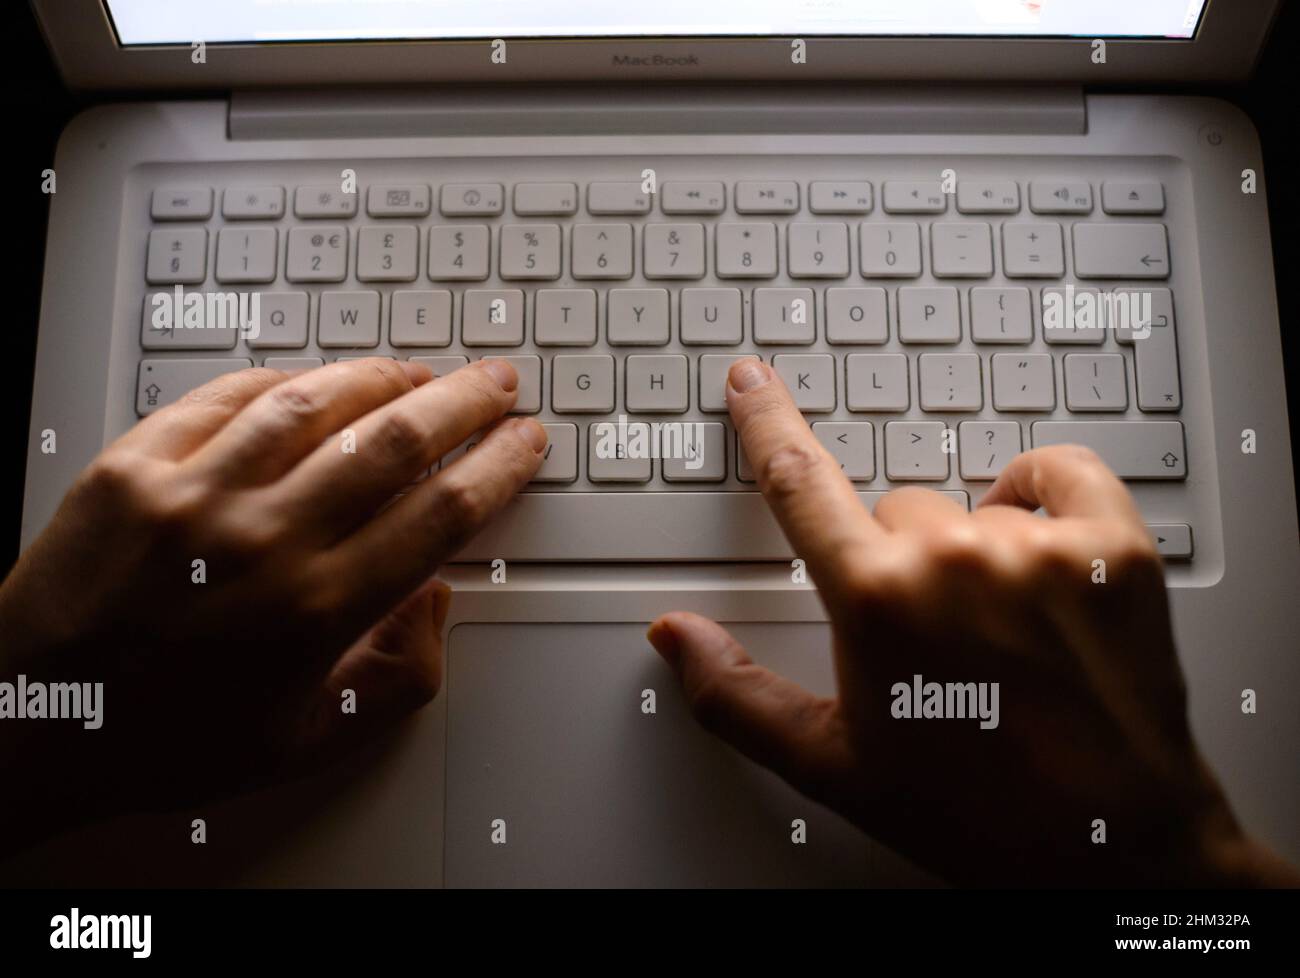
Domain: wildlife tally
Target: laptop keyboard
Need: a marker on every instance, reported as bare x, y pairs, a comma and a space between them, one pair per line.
928, 336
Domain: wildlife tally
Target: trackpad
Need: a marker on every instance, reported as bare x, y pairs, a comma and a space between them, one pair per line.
557, 774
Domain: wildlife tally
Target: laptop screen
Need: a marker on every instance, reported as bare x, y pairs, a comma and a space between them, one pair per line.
154, 22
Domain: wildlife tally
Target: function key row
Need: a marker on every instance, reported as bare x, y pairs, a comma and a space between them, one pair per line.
560, 199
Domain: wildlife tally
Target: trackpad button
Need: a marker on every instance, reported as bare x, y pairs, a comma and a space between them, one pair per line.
558, 774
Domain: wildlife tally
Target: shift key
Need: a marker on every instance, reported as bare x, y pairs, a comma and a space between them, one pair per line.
1132, 449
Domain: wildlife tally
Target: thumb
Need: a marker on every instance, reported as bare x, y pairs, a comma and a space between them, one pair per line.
771, 720
393, 670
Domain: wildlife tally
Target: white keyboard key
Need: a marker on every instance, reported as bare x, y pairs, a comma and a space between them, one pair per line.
317, 254
1155, 354
252, 203
811, 379
293, 363
388, 254
1126, 197
877, 382
420, 318
657, 384
560, 457
1060, 197
914, 197
492, 317
528, 395
282, 321
711, 317
928, 315
1095, 382
181, 204
988, 197
951, 382
784, 317
246, 254
1073, 315
1121, 251
325, 201
914, 451
818, 250
458, 252
564, 317
618, 452
637, 317
530, 251
713, 380
441, 366
961, 250
348, 319
165, 325
839, 197
674, 251
398, 200
694, 197
985, 447
1023, 382
545, 199
857, 316
177, 256
582, 384
617, 198
602, 251
1033, 251
746, 250
471, 199
701, 455
853, 444
767, 197
160, 382
1173, 540
1132, 449
889, 250
1001, 315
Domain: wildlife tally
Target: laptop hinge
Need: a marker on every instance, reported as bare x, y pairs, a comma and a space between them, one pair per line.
660, 109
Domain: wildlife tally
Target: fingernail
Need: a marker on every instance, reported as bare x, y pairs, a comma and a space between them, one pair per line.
746, 375
661, 636
502, 373
533, 433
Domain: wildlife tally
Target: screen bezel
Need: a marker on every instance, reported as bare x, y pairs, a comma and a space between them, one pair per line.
85, 46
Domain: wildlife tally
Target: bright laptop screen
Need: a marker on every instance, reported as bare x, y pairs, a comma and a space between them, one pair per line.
249, 21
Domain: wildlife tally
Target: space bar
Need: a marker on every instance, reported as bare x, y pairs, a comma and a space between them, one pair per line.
664, 526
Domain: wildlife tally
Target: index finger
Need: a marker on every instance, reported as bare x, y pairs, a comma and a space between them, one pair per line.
818, 510
1065, 480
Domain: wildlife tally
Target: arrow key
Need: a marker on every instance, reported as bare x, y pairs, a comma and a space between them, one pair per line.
1173, 540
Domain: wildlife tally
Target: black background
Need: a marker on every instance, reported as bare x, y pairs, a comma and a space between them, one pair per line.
36, 107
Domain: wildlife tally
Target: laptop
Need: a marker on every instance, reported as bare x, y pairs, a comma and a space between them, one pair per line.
926, 215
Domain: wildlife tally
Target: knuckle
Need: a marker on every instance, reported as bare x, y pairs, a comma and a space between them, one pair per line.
463, 504
400, 436
294, 402
112, 477
957, 546
1133, 550
391, 376
885, 584
789, 470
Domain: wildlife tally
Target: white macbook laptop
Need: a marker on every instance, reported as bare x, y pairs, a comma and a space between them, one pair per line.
883, 200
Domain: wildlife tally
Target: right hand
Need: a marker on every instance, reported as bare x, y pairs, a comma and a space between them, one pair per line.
1093, 719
